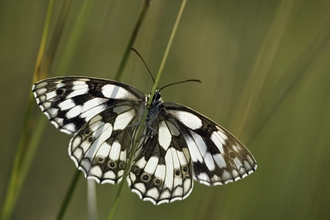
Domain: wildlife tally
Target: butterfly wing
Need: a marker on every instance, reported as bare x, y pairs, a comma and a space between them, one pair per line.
161, 171
69, 102
101, 114
217, 156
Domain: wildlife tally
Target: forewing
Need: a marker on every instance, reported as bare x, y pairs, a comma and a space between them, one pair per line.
217, 156
69, 102
161, 171
101, 114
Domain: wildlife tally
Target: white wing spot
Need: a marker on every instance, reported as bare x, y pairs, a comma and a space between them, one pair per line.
164, 135
50, 95
68, 128
218, 140
220, 161
117, 92
123, 119
80, 91
188, 119
66, 104
115, 150
199, 142
104, 150
151, 165
209, 161
193, 149
74, 112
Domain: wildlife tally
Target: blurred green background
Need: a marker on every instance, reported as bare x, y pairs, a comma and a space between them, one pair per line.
266, 77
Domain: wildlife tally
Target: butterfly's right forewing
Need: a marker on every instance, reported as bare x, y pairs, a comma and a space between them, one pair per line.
100, 114
70, 102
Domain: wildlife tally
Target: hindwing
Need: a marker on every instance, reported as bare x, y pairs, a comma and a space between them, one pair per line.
161, 171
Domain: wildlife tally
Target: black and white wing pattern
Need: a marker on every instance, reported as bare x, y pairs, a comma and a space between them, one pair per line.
178, 144
99, 114
162, 168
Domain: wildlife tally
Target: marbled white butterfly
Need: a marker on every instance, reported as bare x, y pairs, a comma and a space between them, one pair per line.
178, 144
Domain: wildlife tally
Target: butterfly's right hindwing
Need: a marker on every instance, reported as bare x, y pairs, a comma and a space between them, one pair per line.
161, 171
101, 147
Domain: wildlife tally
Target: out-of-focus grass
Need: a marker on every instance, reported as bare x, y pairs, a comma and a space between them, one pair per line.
219, 42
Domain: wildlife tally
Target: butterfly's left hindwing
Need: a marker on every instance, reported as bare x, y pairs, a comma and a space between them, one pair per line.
161, 171
100, 114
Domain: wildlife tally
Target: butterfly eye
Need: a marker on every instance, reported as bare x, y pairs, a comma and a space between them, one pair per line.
185, 170
145, 177
99, 159
112, 165
122, 165
177, 172
157, 182
136, 170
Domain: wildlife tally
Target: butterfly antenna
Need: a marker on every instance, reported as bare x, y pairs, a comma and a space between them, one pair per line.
184, 81
153, 79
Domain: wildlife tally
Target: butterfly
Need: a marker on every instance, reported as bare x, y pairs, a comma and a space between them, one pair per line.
178, 145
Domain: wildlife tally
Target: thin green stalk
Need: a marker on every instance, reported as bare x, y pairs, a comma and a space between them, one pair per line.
23, 157
55, 39
74, 38
68, 53
161, 67
68, 195
131, 42
141, 125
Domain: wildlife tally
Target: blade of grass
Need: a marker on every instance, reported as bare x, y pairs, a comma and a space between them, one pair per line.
55, 39
141, 125
23, 159
68, 195
74, 38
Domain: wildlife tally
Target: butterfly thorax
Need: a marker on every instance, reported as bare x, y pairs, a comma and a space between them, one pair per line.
154, 106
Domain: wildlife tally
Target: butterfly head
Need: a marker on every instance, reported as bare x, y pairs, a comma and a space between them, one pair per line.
156, 99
